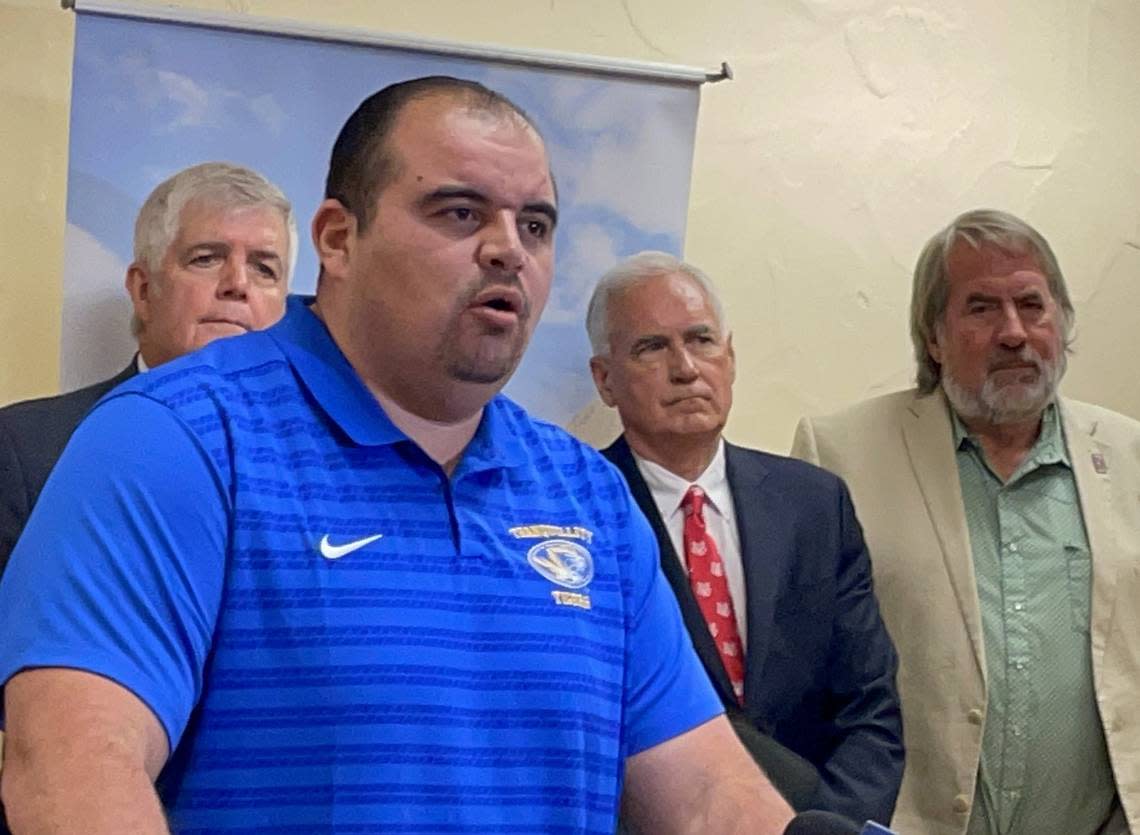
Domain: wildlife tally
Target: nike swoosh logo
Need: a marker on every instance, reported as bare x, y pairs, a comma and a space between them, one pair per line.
335, 552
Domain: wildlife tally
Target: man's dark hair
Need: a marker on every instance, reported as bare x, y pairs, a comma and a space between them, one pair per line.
361, 164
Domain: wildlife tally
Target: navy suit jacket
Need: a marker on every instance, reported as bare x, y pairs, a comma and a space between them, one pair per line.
820, 666
32, 437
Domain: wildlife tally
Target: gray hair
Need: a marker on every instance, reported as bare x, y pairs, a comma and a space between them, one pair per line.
215, 183
931, 289
631, 271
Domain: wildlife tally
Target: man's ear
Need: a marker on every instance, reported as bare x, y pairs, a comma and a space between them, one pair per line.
140, 289
334, 233
933, 348
731, 358
600, 371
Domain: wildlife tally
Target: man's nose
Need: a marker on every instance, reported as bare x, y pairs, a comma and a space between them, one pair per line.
234, 279
1011, 330
682, 369
501, 250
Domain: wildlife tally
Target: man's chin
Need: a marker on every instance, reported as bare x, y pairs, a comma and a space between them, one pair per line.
1024, 395
701, 423
492, 359
209, 331
483, 370
1018, 407
999, 404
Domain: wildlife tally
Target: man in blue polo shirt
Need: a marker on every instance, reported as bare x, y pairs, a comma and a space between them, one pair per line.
325, 578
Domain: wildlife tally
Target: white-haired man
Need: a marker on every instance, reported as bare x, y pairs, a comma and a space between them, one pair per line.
214, 247
762, 552
1005, 529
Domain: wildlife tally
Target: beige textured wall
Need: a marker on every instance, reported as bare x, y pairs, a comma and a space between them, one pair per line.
854, 129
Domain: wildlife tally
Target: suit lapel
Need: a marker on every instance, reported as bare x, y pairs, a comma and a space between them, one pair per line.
1092, 460
755, 509
928, 436
131, 370
621, 456
124, 375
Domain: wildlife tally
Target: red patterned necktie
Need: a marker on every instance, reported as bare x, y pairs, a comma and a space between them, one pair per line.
710, 588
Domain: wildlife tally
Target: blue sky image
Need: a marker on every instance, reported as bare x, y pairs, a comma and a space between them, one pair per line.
149, 98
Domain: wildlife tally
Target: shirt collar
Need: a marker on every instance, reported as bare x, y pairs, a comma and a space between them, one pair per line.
325, 372
498, 442
669, 489
340, 392
1049, 448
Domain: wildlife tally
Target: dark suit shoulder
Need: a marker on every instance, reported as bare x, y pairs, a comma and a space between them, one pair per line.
37, 430
781, 467
44, 419
33, 434
30, 415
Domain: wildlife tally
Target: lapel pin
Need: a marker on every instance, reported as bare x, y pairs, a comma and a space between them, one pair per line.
1099, 464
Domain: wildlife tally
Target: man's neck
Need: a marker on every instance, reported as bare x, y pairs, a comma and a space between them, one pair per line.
148, 355
1004, 445
442, 421
686, 456
442, 441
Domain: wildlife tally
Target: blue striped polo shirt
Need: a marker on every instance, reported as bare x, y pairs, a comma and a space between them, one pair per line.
335, 636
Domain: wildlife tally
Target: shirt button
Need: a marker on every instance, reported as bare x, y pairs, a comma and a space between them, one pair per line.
961, 804
1019, 665
975, 716
1017, 607
1013, 547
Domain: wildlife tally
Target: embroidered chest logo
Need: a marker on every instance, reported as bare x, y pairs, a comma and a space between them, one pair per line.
335, 552
561, 560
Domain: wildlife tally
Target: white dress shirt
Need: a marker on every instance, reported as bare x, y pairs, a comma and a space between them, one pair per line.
669, 489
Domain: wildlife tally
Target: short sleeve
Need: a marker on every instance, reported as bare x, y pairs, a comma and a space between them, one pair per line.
120, 569
667, 690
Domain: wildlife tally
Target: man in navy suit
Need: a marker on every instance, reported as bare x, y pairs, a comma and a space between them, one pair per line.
213, 251
764, 552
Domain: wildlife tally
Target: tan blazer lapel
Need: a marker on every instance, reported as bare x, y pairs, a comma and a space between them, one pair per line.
1092, 460
928, 437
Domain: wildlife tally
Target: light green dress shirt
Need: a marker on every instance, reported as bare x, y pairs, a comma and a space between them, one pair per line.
1044, 766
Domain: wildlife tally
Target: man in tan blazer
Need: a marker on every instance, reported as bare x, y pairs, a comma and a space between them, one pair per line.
1004, 528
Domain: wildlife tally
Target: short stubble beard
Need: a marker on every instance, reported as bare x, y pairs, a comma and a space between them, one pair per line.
476, 368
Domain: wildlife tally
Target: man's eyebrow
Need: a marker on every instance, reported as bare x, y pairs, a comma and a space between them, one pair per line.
452, 193
699, 330
443, 193
647, 341
224, 246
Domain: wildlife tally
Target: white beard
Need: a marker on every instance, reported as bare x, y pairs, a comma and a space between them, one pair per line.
1012, 402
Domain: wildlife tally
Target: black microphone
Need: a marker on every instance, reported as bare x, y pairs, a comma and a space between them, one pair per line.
815, 822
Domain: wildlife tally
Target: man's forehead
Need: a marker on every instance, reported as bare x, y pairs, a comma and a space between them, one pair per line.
204, 213
438, 106
968, 264
463, 140
666, 300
